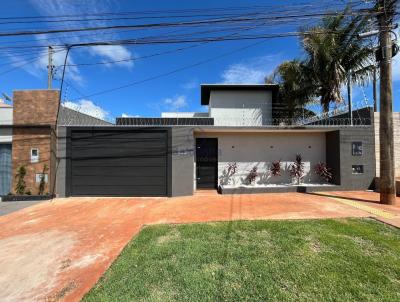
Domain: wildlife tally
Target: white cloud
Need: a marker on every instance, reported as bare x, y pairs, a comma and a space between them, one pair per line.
114, 53
89, 108
252, 71
192, 84
176, 103
38, 68
107, 52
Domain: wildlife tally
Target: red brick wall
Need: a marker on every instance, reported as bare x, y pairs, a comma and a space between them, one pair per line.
35, 107
35, 114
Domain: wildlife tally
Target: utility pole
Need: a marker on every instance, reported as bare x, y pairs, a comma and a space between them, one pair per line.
386, 9
374, 91
50, 68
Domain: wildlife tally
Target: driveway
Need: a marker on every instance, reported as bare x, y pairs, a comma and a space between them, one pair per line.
58, 250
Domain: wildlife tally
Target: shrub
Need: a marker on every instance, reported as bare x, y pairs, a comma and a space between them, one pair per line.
297, 169
232, 169
275, 168
21, 185
251, 177
323, 171
227, 174
42, 183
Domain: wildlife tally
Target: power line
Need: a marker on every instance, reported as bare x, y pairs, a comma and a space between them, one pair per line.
168, 24
298, 6
172, 71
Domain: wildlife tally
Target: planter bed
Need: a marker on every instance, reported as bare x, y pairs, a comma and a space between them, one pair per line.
276, 188
26, 197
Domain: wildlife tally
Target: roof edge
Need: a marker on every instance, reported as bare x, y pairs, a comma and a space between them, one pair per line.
207, 88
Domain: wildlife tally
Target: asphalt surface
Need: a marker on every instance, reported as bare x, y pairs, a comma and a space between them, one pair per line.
7, 207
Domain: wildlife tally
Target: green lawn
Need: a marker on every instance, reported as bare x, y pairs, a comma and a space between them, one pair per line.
313, 260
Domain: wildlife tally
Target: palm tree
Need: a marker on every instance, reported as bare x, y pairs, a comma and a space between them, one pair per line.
295, 87
333, 52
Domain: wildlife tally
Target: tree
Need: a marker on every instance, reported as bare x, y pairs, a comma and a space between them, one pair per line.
21, 185
333, 51
42, 183
295, 87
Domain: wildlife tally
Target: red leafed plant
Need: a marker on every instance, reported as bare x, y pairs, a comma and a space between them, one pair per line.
323, 171
275, 168
251, 177
232, 168
297, 168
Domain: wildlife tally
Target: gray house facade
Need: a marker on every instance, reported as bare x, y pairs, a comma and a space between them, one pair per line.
241, 134
179, 153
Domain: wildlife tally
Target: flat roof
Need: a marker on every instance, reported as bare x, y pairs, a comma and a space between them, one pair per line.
207, 88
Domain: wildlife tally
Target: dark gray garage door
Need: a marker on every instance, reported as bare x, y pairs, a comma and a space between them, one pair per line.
119, 162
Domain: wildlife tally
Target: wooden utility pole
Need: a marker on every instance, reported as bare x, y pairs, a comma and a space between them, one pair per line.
386, 9
50, 68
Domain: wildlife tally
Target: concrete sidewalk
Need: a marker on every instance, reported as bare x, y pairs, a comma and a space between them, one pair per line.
57, 251
7, 207
369, 202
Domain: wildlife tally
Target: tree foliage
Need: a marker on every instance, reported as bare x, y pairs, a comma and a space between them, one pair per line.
20, 177
332, 52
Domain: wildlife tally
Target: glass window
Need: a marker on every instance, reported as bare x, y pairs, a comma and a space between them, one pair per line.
357, 169
39, 177
356, 148
34, 155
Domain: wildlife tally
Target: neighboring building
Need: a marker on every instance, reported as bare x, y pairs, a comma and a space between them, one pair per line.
28, 138
6, 121
181, 152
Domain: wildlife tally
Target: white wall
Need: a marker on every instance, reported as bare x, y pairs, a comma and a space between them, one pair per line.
254, 149
6, 118
240, 108
396, 141
184, 114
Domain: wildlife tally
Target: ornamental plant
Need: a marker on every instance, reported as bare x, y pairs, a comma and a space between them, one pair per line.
228, 173
275, 168
42, 183
232, 169
297, 169
251, 177
21, 185
323, 171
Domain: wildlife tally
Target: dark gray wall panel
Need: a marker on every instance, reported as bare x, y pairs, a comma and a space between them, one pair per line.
182, 161
350, 181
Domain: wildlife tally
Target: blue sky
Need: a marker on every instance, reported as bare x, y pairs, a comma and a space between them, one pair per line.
179, 91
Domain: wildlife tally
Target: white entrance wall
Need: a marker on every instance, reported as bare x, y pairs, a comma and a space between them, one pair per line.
260, 149
241, 108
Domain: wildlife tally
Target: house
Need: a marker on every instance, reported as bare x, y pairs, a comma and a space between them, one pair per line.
29, 136
6, 115
178, 153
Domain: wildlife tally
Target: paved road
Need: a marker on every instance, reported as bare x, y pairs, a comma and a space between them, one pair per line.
7, 207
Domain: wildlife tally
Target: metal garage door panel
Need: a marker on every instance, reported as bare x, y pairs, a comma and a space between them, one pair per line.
119, 163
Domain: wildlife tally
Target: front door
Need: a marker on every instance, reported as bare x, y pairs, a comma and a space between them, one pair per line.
206, 163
